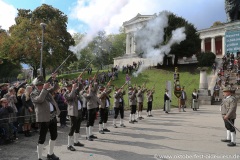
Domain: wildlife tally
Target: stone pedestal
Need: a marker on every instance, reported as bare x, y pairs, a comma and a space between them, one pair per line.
204, 95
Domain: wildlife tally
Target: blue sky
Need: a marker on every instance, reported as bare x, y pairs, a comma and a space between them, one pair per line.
90, 15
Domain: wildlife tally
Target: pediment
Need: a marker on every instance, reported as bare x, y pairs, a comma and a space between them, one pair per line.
138, 18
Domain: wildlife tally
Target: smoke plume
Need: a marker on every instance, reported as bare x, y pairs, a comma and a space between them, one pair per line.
97, 14
152, 35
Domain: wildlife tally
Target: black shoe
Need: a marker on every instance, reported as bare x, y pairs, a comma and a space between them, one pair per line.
131, 122
106, 130
89, 139
78, 144
141, 117
71, 148
151, 115
135, 120
115, 126
93, 137
231, 144
122, 125
101, 131
225, 140
52, 157
166, 112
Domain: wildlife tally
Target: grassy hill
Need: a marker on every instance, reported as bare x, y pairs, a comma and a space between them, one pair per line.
189, 77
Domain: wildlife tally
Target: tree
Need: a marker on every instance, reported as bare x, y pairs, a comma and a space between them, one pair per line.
118, 42
26, 41
190, 45
5, 62
186, 48
217, 23
206, 59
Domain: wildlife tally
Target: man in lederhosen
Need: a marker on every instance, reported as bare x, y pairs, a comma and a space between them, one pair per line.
140, 98
182, 100
133, 104
228, 111
46, 110
149, 102
92, 104
103, 109
167, 101
118, 106
75, 113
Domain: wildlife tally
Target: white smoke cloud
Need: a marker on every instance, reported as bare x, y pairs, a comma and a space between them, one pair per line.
97, 14
155, 28
7, 20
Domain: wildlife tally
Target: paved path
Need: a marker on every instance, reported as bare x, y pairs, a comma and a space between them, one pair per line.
185, 135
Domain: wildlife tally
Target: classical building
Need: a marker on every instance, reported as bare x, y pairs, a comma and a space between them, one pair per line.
215, 38
131, 27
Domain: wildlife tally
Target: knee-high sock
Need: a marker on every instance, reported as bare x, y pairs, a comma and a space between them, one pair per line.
87, 131
76, 135
69, 140
104, 125
134, 117
51, 146
228, 135
121, 121
114, 121
233, 137
39, 150
100, 127
90, 130
130, 117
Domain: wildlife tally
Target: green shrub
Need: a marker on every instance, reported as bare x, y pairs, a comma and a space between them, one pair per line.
206, 59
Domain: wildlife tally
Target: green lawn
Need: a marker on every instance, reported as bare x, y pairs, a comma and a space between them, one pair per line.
189, 77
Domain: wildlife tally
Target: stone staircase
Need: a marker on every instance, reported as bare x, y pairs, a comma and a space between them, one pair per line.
232, 79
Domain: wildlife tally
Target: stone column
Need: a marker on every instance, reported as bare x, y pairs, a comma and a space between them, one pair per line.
213, 46
203, 45
203, 84
223, 45
127, 44
203, 92
134, 44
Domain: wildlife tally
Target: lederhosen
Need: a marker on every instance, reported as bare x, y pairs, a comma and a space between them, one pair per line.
76, 121
149, 103
51, 125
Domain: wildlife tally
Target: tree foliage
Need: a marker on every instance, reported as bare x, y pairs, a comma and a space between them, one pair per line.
217, 23
206, 59
190, 45
102, 49
186, 48
26, 38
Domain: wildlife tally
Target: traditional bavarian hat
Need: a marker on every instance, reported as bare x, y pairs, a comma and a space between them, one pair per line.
38, 81
227, 89
3, 84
